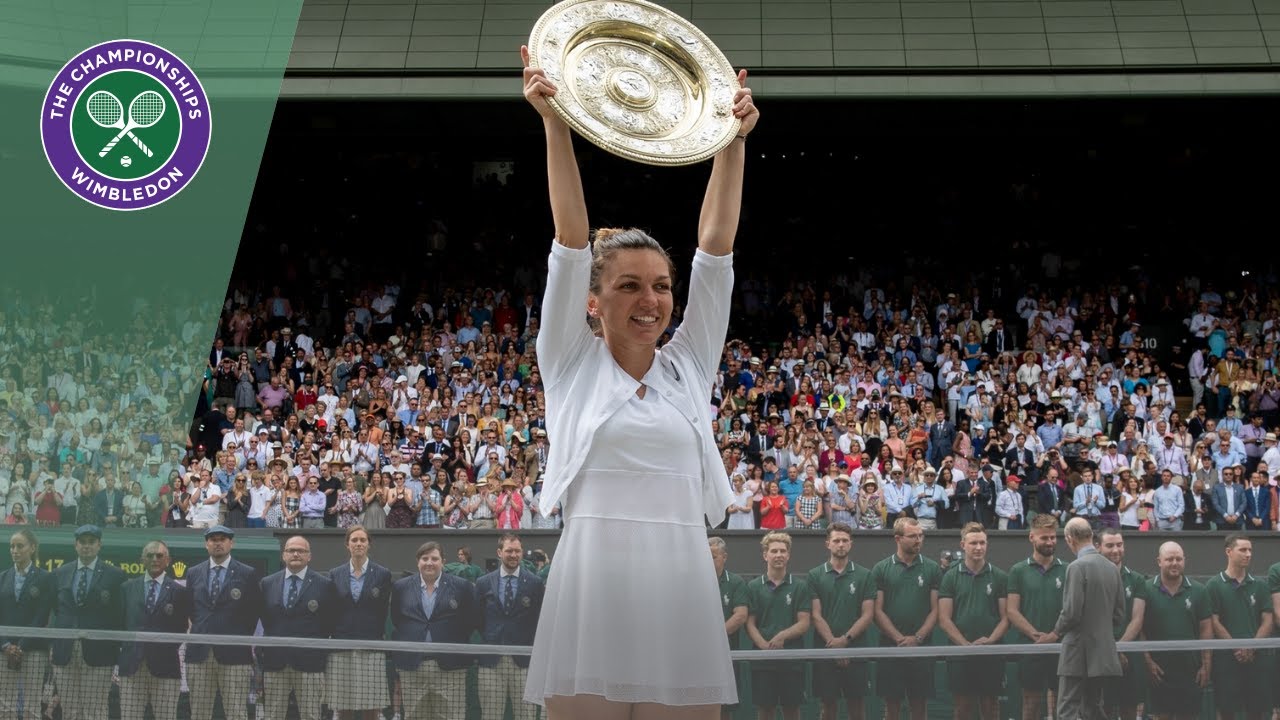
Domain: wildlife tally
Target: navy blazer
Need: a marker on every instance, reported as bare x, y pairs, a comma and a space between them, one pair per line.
31, 610
977, 503
171, 614
1220, 501
941, 437
116, 509
101, 608
454, 618
501, 625
1260, 509
312, 616
234, 612
1044, 499
366, 618
1019, 462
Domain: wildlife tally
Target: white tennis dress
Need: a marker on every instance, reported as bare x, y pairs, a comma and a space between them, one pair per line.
632, 608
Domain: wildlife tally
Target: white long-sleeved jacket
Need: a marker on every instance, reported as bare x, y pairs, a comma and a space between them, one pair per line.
585, 386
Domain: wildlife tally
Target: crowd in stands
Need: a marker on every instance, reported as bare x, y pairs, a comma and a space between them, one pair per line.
852, 401
922, 407
93, 417
343, 363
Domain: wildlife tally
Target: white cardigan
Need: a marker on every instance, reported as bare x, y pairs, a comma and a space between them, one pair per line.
584, 384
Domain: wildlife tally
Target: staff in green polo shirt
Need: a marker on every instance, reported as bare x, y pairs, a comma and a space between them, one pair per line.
1241, 608
971, 611
778, 609
1177, 609
1122, 694
906, 612
844, 605
464, 568
1273, 585
1035, 601
733, 598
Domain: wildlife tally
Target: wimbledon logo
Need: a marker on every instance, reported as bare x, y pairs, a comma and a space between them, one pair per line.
125, 125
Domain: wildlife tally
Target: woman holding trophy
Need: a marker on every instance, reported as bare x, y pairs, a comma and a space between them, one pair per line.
631, 626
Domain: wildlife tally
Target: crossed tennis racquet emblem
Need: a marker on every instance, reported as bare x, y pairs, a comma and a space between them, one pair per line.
106, 110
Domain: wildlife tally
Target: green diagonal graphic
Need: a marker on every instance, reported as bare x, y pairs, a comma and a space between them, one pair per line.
107, 316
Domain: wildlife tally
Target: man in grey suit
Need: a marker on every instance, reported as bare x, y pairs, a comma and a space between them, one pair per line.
1092, 604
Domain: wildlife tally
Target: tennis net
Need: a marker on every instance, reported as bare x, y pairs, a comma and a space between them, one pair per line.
58, 672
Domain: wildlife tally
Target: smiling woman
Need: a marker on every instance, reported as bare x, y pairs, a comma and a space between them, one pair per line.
631, 278
637, 466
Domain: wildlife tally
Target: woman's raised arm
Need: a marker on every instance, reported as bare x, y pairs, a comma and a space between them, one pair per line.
564, 183
722, 205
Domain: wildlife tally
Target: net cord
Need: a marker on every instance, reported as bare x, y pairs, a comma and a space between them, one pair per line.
939, 652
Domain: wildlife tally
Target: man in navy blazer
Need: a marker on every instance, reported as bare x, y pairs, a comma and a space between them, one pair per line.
1051, 499
510, 599
431, 606
299, 603
1257, 509
1229, 500
25, 593
88, 597
226, 600
942, 434
150, 672
109, 503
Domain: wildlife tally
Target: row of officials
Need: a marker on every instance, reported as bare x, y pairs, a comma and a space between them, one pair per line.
223, 596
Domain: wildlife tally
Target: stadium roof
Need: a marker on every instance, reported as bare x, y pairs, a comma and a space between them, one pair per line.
467, 48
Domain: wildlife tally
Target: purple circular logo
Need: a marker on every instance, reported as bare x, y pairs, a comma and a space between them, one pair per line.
125, 125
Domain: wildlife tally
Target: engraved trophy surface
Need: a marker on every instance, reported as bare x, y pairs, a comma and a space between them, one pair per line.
637, 80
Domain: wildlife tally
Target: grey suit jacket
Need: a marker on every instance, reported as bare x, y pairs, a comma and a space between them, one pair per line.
1092, 605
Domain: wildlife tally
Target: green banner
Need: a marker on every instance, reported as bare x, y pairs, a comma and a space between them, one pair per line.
130, 140
123, 548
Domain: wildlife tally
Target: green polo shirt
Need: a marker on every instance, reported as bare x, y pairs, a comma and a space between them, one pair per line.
775, 607
1039, 592
1239, 606
1135, 588
463, 570
733, 593
1175, 617
1273, 578
907, 590
842, 595
975, 598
